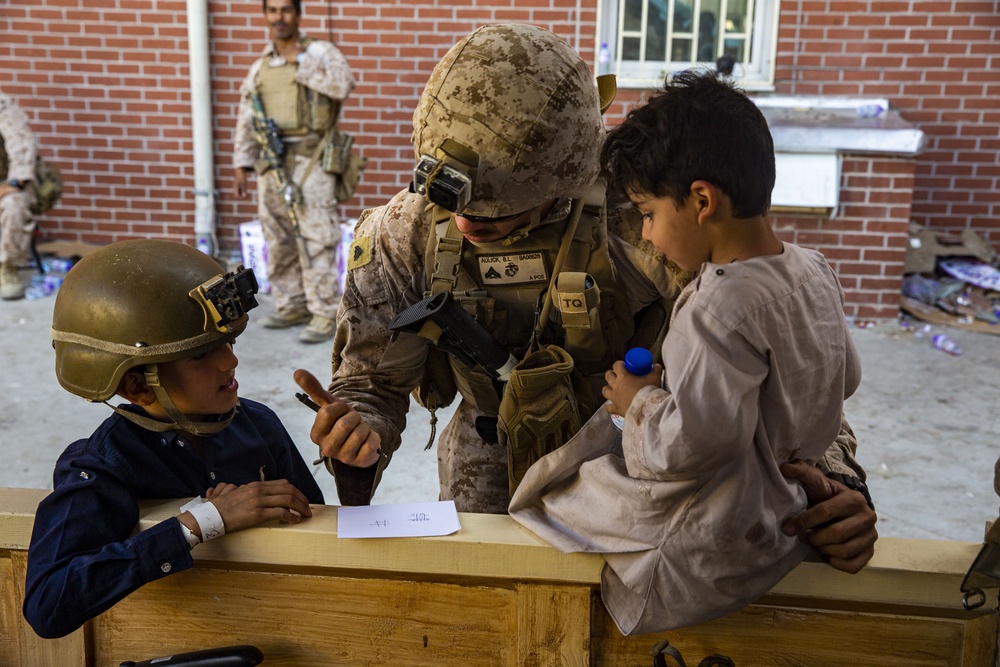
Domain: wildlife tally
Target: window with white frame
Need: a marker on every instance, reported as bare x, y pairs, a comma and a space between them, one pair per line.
643, 40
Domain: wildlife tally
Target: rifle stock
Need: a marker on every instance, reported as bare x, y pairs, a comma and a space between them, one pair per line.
445, 324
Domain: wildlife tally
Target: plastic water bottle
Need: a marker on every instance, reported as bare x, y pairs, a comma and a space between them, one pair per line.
603, 59
42, 286
870, 111
204, 243
946, 343
638, 361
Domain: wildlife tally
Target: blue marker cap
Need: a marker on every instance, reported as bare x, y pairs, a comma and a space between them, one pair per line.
639, 361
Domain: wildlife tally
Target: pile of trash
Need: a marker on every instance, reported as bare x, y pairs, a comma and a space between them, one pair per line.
952, 279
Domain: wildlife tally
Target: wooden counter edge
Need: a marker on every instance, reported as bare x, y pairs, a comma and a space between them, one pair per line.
919, 573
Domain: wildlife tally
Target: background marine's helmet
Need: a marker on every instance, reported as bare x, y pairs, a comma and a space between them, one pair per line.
134, 303
515, 108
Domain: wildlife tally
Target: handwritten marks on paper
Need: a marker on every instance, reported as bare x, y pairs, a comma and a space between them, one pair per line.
406, 520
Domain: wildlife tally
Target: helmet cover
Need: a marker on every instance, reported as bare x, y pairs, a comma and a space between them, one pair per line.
523, 104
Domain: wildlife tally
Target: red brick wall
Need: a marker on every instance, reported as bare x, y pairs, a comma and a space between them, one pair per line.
865, 242
105, 83
938, 62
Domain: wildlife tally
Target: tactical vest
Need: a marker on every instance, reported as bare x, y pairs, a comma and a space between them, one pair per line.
590, 317
296, 109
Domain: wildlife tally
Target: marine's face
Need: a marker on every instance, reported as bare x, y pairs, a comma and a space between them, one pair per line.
282, 19
485, 230
202, 385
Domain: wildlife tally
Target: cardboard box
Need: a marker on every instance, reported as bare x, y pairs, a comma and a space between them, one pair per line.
927, 245
254, 249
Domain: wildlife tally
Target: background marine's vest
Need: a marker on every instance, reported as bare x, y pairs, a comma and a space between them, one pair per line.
297, 110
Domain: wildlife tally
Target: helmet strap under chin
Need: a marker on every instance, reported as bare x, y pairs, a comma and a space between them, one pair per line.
179, 420
518, 234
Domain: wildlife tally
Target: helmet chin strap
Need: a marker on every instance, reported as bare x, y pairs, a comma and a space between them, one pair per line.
180, 421
518, 234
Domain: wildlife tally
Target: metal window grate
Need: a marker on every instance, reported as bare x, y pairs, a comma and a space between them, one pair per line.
653, 37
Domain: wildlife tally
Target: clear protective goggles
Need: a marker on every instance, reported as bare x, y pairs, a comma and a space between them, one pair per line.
441, 183
225, 299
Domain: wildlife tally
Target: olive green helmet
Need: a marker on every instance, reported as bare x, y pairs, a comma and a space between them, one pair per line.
140, 303
513, 112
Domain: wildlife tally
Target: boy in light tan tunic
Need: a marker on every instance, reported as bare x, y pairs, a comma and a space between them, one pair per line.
688, 506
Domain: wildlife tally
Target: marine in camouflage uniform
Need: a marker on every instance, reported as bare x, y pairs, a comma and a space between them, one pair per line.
18, 151
519, 104
303, 81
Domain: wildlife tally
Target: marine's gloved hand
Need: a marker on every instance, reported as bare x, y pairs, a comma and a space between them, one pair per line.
838, 522
539, 411
338, 429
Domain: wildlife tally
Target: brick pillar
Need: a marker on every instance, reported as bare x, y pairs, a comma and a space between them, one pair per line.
865, 240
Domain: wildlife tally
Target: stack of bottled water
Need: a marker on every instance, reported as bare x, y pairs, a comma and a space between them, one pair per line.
44, 284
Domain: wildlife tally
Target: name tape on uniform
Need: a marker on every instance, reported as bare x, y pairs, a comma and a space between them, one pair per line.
512, 269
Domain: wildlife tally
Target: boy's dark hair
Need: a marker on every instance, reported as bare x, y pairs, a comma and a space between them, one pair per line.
297, 4
697, 127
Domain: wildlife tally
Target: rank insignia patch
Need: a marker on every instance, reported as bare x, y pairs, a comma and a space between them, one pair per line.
360, 253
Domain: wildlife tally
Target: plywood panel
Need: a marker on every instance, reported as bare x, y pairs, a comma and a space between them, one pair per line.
9, 614
307, 620
761, 635
553, 625
68, 651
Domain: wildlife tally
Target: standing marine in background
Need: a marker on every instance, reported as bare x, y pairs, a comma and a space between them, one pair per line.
18, 150
286, 123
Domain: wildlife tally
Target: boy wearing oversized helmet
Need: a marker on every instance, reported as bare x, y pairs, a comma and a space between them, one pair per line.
153, 322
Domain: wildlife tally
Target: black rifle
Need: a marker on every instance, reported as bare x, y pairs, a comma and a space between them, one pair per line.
445, 324
272, 159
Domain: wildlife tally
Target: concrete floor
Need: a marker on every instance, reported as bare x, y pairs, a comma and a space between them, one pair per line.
927, 422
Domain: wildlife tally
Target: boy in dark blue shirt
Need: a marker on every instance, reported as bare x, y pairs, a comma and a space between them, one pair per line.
154, 322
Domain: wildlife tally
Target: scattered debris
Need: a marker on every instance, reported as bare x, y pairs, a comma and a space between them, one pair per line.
952, 280
52, 261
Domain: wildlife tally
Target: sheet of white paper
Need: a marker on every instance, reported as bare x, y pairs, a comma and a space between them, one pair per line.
407, 520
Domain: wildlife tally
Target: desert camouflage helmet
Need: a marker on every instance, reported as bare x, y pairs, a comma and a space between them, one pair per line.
517, 109
140, 303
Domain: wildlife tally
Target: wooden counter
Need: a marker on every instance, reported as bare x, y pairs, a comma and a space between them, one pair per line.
492, 594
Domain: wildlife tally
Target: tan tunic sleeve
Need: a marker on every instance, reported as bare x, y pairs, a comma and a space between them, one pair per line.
840, 458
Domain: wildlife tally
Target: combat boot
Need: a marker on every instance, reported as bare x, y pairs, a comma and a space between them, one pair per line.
319, 330
11, 287
283, 319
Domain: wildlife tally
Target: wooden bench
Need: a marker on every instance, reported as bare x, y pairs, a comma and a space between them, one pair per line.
492, 594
